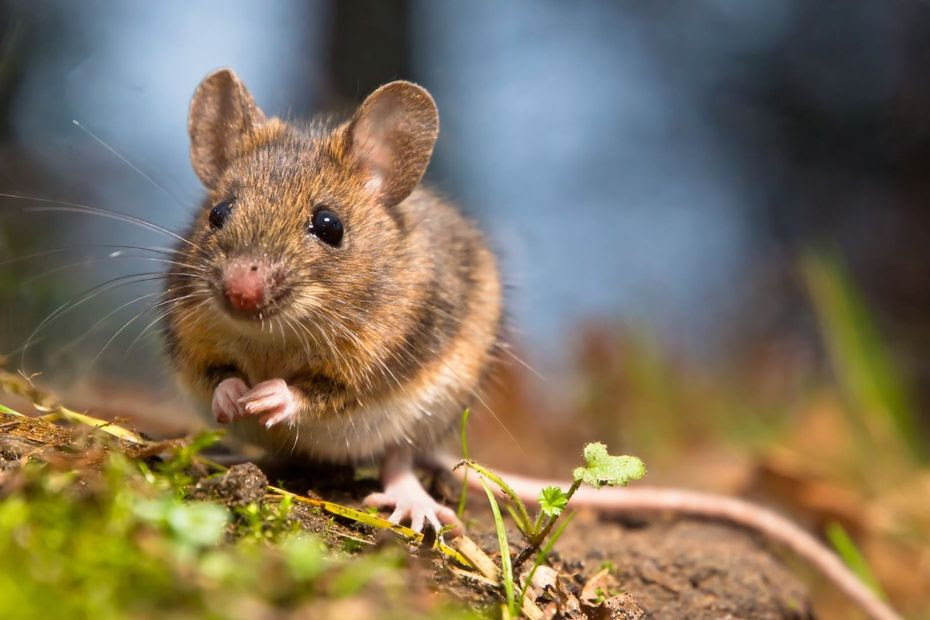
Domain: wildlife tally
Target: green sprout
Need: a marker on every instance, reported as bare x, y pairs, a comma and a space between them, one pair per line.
600, 469
552, 500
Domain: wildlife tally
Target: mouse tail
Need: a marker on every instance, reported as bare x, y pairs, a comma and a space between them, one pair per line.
678, 501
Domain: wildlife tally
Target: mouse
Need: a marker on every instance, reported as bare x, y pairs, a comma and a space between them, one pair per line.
326, 303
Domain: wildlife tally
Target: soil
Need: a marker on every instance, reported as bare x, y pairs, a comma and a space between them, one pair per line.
239, 486
602, 567
663, 567
687, 568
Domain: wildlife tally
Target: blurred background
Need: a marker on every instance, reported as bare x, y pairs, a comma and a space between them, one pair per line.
711, 215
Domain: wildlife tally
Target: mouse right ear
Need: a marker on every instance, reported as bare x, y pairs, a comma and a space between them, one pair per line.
222, 112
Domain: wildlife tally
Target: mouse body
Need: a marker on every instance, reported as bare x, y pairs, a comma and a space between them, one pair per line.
327, 304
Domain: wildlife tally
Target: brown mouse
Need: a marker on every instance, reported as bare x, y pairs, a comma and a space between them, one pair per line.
329, 305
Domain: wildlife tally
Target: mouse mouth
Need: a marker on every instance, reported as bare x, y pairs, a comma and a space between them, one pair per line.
268, 308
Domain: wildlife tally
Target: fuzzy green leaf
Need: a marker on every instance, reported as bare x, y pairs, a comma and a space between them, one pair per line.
552, 500
604, 469
198, 523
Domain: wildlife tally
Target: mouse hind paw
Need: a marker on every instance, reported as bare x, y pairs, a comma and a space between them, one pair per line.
410, 503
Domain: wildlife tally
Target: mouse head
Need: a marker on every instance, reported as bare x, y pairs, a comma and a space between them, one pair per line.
303, 220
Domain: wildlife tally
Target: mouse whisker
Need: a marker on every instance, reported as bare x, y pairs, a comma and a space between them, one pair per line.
75, 341
86, 296
103, 259
279, 324
72, 207
171, 303
125, 325
506, 348
332, 333
300, 338
177, 202
192, 311
333, 348
86, 246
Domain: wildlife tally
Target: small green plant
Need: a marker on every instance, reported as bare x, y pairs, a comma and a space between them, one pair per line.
600, 469
265, 521
460, 512
176, 471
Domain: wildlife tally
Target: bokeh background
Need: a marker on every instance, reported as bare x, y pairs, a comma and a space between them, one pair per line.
711, 215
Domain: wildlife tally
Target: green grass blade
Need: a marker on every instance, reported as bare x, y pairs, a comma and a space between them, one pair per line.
860, 358
846, 548
506, 566
460, 512
508, 491
8, 411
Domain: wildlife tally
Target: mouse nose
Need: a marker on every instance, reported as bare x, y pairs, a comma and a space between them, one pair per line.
245, 284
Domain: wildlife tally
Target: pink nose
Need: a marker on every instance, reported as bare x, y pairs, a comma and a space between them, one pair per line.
244, 285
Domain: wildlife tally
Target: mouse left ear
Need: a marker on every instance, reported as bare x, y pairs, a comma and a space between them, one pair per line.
391, 138
222, 113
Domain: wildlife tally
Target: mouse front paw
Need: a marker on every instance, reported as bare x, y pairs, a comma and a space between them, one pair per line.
226, 397
410, 502
274, 400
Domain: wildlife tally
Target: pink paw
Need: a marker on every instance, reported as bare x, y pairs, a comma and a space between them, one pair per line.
410, 502
225, 400
273, 400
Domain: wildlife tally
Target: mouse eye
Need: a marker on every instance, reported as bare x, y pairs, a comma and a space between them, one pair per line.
220, 213
326, 227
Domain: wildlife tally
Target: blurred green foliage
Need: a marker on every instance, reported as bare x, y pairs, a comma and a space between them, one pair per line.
877, 394
846, 548
120, 543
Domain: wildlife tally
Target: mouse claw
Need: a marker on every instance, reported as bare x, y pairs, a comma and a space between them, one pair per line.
226, 397
274, 400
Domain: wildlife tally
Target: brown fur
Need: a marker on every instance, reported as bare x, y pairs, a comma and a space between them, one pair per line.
388, 335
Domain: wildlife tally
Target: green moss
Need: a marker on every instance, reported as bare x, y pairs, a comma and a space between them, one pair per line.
116, 541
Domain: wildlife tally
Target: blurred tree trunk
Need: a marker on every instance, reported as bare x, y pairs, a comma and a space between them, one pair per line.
369, 46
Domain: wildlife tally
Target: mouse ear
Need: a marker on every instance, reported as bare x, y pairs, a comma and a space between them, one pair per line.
391, 138
222, 112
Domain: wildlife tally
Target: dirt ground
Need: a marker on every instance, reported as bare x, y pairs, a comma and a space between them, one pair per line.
665, 567
602, 567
